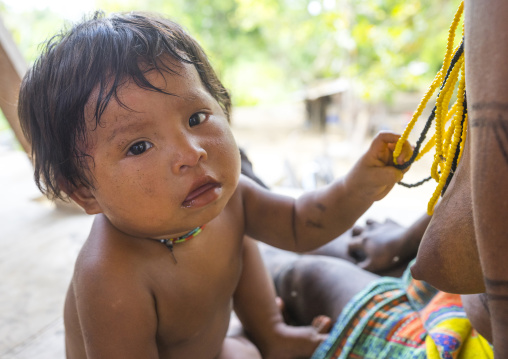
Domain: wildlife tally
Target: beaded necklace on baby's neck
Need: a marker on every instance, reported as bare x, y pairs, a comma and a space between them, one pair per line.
168, 242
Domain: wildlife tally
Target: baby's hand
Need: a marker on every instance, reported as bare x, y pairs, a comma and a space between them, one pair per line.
373, 176
289, 341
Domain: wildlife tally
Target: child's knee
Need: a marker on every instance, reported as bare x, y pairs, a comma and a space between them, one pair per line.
239, 347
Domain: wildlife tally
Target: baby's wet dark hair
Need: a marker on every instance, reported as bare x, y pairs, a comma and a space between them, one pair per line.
98, 56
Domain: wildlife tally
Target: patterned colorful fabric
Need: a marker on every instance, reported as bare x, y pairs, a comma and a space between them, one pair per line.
403, 318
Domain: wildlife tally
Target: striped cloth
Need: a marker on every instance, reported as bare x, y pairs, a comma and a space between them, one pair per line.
403, 318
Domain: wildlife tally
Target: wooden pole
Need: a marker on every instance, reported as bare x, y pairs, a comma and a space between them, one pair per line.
12, 70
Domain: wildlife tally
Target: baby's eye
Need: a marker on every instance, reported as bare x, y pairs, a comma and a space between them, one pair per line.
197, 118
139, 147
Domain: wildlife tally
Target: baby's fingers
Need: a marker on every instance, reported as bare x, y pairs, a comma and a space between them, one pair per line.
389, 175
383, 145
387, 178
406, 153
383, 139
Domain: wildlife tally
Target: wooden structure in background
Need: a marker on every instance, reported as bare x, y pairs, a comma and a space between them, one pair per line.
12, 70
318, 97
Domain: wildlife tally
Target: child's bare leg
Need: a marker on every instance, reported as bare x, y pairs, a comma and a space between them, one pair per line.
293, 342
239, 347
317, 285
255, 304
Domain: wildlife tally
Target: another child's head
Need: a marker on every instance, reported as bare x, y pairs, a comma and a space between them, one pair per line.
80, 73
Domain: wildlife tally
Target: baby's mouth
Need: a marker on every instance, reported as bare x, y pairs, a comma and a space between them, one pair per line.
200, 193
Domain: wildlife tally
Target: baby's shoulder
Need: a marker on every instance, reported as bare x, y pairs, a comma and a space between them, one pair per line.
248, 188
111, 293
247, 191
99, 264
105, 260
110, 282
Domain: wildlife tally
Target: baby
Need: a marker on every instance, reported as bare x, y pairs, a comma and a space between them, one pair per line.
127, 117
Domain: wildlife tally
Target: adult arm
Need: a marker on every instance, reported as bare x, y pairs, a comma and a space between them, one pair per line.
487, 94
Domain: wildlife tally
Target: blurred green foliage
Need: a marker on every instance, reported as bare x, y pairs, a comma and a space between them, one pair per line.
31, 29
266, 50
3, 122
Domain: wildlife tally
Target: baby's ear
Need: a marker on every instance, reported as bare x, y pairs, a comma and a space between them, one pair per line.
83, 196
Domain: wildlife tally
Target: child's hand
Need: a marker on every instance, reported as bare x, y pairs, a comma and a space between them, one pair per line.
287, 341
373, 176
379, 246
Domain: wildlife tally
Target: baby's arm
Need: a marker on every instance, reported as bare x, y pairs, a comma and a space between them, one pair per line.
320, 216
254, 303
116, 314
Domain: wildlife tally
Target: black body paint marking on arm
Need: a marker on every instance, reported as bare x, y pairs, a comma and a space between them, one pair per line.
498, 106
497, 297
496, 124
310, 223
494, 283
321, 207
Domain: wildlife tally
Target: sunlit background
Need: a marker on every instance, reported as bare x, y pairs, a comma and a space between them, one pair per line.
267, 50
331, 71
311, 81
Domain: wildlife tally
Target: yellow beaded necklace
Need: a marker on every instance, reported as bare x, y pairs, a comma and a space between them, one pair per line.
447, 141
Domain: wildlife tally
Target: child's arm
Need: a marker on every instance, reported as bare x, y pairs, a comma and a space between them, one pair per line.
254, 303
116, 314
320, 216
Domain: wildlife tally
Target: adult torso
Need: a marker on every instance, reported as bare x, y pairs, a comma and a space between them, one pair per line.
448, 257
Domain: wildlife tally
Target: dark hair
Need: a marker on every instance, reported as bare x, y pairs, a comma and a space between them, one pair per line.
97, 54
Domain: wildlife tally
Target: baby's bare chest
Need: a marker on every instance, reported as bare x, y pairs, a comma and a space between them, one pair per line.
194, 300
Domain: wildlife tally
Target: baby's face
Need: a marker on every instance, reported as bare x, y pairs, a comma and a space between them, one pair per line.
170, 165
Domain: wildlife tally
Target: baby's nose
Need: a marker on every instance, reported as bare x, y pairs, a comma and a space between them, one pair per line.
188, 154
